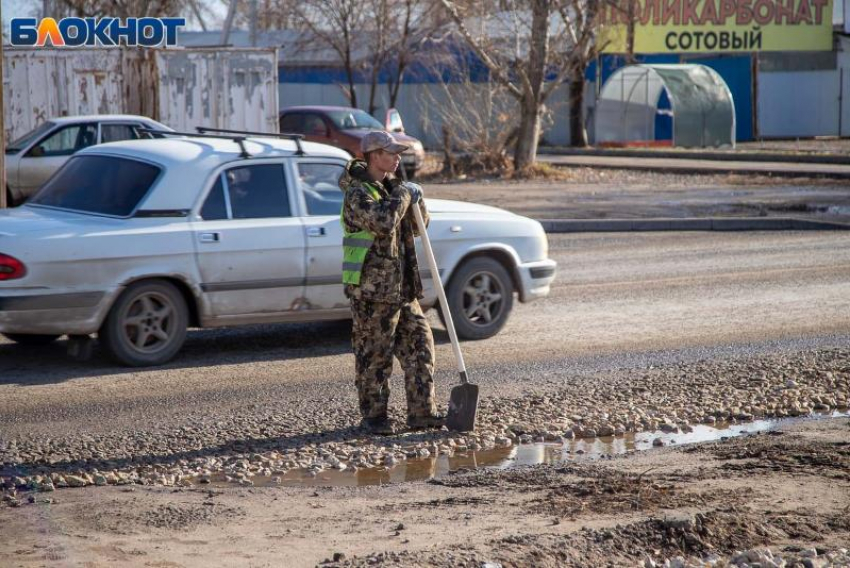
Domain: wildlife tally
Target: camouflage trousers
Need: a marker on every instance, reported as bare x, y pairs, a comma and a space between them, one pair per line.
381, 331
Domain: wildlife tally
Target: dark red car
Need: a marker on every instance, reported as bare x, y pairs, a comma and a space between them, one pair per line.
343, 127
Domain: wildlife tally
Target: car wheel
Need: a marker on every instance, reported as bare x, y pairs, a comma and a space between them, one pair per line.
31, 338
10, 200
146, 325
480, 296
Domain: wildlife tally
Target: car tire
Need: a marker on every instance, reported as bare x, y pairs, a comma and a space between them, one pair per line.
10, 200
147, 324
480, 296
31, 338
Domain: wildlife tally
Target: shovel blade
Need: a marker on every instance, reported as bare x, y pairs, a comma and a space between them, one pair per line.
463, 406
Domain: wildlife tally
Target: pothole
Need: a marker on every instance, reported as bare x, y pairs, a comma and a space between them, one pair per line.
422, 469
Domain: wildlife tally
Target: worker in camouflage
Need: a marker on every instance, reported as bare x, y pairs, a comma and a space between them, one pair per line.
381, 278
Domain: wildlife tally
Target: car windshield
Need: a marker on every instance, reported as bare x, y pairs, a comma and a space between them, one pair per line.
29, 137
354, 120
98, 184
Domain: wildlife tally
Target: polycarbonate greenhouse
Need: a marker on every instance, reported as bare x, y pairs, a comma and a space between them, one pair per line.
680, 105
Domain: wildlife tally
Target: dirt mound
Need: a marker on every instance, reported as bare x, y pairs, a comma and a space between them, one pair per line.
143, 516
616, 492
793, 454
714, 532
523, 477
179, 516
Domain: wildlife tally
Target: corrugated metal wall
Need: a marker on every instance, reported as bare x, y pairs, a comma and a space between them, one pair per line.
844, 82
845, 103
798, 104
43, 83
183, 88
800, 94
221, 88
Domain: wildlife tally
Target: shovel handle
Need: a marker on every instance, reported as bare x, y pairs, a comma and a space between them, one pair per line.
441, 293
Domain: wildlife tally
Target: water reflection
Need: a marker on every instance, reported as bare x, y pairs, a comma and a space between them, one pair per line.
528, 454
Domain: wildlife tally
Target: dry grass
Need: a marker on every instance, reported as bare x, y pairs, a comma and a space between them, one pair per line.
540, 171
434, 171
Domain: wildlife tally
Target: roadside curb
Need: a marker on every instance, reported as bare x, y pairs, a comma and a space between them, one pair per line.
670, 167
689, 224
730, 156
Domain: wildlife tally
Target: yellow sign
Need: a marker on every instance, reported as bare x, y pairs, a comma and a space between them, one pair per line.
689, 26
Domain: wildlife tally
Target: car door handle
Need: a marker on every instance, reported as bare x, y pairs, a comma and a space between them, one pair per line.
210, 237
316, 232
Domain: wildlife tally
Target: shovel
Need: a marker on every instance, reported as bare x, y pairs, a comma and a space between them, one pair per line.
463, 403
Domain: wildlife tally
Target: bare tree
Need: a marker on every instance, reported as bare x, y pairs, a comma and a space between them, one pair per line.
279, 15
124, 9
228, 21
476, 121
397, 27
518, 65
271, 14
526, 44
198, 13
413, 21
581, 22
378, 52
336, 24
371, 38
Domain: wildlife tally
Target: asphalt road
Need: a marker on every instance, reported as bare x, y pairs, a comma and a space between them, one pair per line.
620, 300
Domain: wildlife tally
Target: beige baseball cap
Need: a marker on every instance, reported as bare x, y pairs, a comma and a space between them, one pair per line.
380, 140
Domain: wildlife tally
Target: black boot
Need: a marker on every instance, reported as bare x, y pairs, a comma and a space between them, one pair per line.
382, 426
433, 421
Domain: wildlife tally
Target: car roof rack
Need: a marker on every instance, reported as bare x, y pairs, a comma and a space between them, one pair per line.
238, 139
231, 135
294, 137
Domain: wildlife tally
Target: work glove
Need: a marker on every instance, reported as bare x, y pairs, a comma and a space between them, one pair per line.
414, 189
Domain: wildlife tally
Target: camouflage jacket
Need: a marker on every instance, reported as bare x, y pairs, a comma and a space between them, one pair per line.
390, 272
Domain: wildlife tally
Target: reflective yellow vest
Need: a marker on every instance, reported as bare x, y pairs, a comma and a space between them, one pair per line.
355, 246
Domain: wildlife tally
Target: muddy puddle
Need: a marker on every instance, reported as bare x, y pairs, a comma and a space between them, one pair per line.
518, 455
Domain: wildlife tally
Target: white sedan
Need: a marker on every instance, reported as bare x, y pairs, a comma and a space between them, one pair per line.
136, 241
35, 156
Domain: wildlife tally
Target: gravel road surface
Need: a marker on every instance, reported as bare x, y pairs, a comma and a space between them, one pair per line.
786, 168
589, 193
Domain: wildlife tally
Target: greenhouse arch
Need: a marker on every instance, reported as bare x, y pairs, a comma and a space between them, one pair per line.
686, 105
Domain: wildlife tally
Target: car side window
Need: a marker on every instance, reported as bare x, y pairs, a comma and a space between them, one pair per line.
66, 141
117, 132
292, 123
215, 207
319, 182
314, 125
257, 192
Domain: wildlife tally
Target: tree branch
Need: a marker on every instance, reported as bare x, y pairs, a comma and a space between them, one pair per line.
495, 69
